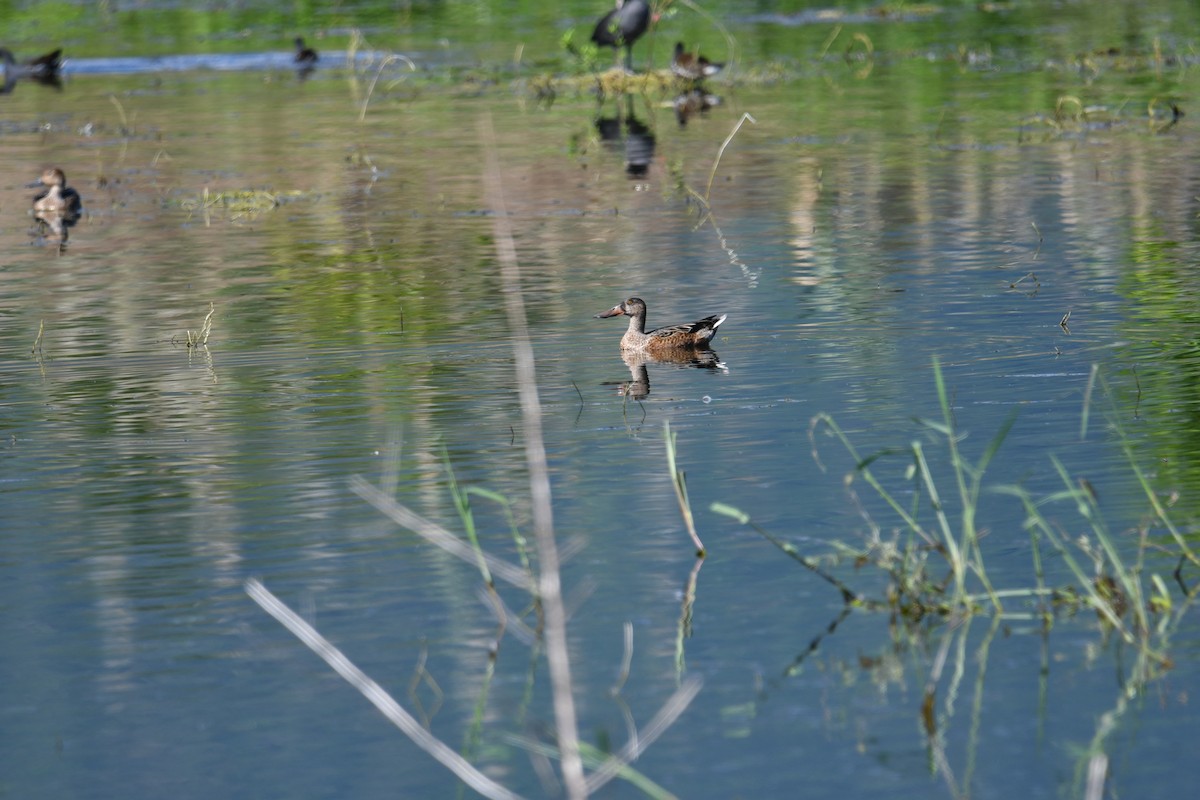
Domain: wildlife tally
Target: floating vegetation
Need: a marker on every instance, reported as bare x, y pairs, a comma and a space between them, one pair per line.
679, 481
937, 567
937, 582
200, 338
239, 203
611, 83
36, 350
1072, 117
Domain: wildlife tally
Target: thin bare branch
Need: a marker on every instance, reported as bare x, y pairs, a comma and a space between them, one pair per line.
549, 581
436, 534
676, 704
371, 690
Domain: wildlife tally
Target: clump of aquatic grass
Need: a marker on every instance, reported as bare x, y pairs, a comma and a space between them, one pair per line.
939, 567
679, 481
615, 82
1114, 586
937, 573
37, 342
200, 338
238, 203
380, 62
1072, 117
679, 484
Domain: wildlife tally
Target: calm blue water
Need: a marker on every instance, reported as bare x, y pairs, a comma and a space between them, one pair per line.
865, 228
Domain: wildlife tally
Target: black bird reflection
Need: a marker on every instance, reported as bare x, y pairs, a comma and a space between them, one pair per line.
637, 138
305, 60
638, 386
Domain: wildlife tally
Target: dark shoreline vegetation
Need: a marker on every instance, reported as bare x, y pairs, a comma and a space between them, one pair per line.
918, 563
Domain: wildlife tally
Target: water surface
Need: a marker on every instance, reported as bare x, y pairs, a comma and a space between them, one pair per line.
869, 221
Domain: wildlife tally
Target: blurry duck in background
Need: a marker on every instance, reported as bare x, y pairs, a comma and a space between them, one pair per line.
43, 69
56, 209
693, 66
58, 197
306, 58
623, 26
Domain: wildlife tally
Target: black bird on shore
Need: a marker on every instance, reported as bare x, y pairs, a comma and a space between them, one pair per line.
306, 58
623, 26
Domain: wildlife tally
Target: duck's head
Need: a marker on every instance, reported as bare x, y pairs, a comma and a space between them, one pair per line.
52, 177
630, 308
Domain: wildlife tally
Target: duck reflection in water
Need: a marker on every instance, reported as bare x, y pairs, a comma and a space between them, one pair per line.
694, 101
53, 228
42, 69
638, 386
637, 138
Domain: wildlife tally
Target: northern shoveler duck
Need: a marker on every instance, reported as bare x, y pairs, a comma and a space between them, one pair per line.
693, 66
306, 57
58, 197
623, 26
673, 337
46, 66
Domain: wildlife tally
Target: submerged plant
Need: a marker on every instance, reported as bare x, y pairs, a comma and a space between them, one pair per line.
239, 204
939, 567
937, 573
200, 338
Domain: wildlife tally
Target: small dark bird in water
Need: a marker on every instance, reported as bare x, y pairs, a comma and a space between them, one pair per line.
43, 67
58, 197
623, 26
306, 57
693, 66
